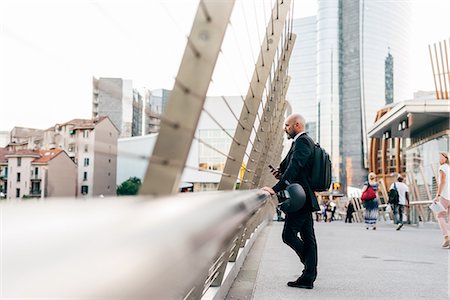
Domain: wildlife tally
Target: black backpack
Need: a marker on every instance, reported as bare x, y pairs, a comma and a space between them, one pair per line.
393, 196
321, 170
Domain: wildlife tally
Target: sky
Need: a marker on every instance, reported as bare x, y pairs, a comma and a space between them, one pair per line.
50, 50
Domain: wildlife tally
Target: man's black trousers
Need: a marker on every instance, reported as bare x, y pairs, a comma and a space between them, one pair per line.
305, 246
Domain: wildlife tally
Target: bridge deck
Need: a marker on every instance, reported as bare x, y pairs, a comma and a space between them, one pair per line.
353, 264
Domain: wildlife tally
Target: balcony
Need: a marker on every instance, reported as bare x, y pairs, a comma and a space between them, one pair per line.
35, 177
35, 193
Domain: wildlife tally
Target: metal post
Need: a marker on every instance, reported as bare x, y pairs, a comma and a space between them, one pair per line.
179, 121
255, 92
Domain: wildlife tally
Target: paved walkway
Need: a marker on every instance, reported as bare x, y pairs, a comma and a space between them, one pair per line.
354, 263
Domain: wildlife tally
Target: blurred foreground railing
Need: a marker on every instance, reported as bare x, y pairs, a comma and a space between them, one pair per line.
187, 246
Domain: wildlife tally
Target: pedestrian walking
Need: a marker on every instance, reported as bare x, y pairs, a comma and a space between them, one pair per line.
370, 201
402, 201
443, 196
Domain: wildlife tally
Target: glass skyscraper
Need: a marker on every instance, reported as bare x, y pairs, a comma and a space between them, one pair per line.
302, 66
354, 37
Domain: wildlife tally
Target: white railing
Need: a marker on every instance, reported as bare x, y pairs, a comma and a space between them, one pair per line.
181, 247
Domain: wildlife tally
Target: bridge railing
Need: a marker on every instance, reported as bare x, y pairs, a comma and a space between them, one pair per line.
181, 247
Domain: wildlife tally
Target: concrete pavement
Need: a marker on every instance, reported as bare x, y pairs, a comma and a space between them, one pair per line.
354, 263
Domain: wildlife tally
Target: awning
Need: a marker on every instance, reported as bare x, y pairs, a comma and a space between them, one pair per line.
410, 116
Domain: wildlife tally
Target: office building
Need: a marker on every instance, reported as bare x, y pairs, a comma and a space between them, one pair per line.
134, 152
354, 38
302, 69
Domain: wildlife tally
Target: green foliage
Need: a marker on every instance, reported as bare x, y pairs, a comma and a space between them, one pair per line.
129, 187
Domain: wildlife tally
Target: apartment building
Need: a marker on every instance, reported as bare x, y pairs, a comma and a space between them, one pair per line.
136, 124
3, 171
92, 145
22, 138
116, 99
155, 104
38, 174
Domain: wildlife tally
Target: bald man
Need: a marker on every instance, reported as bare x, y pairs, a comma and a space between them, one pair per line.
296, 168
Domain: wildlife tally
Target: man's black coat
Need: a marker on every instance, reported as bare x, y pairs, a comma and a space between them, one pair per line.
296, 168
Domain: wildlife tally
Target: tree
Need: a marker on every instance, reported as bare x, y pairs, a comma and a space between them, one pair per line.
129, 187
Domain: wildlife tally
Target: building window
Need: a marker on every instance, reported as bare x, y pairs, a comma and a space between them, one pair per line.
109, 160
84, 189
35, 188
85, 176
19, 161
85, 148
86, 162
86, 134
36, 171
18, 177
17, 193
208, 158
109, 173
71, 147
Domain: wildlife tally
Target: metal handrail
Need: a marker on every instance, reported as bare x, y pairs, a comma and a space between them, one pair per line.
123, 248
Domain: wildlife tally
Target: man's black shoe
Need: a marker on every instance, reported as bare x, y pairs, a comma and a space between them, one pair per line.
300, 284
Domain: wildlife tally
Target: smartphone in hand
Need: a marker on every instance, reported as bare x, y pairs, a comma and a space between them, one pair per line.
275, 172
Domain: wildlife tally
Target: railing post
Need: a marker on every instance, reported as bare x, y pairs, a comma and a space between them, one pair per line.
254, 95
179, 121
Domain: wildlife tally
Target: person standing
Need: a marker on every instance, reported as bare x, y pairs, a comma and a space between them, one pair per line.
296, 168
443, 196
350, 211
403, 200
371, 205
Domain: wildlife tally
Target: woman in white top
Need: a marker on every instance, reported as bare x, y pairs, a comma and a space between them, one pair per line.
443, 196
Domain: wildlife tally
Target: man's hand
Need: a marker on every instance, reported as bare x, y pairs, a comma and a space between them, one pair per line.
268, 190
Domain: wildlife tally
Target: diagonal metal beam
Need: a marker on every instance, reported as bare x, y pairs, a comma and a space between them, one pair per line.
254, 95
275, 145
269, 108
179, 121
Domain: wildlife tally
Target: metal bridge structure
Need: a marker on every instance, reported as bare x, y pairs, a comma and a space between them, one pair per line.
161, 244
